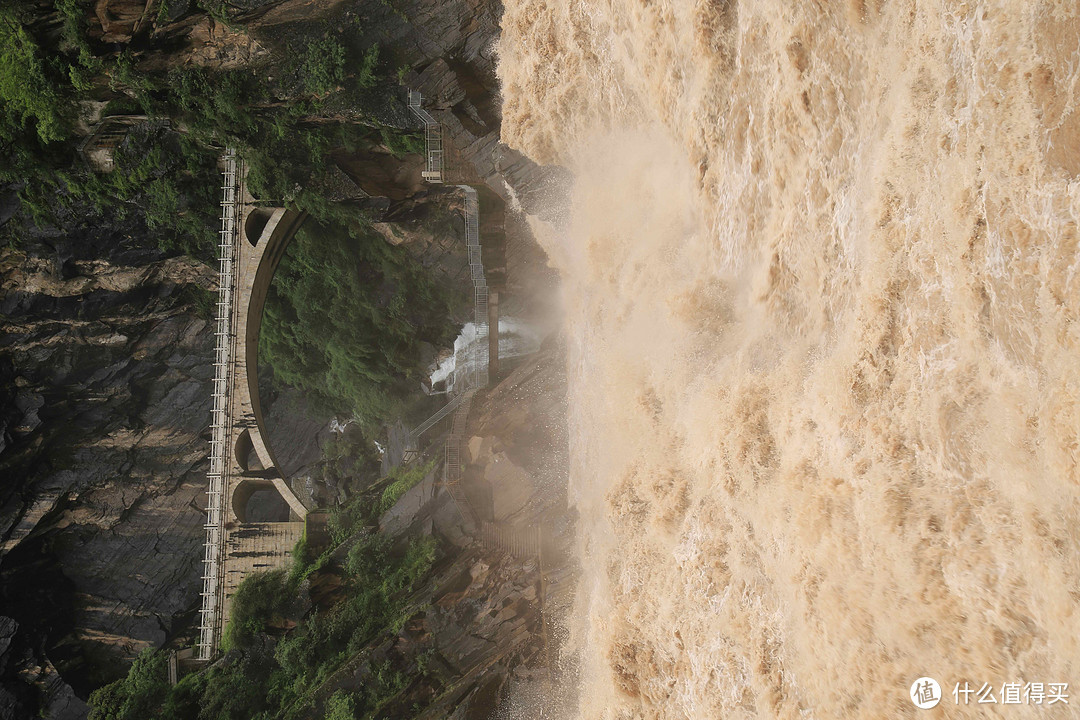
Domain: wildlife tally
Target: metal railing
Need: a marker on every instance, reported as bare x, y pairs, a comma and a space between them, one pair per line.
432, 138
454, 443
220, 419
476, 376
439, 415
476, 264
452, 465
479, 375
475, 355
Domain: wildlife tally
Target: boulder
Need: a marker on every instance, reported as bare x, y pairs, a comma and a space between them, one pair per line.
511, 486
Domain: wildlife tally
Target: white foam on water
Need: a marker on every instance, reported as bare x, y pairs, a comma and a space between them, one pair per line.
516, 338
822, 305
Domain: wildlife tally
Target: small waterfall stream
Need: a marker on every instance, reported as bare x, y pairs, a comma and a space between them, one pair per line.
516, 338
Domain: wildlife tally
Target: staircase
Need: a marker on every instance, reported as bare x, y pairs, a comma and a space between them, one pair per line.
432, 138
519, 542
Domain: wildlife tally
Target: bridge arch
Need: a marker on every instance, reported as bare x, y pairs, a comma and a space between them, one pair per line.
255, 224
242, 451
268, 232
244, 535
242, 494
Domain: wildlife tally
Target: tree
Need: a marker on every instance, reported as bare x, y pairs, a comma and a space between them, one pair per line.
344, 320
139, 695
340, 706
324, 66
260, 599
26, 93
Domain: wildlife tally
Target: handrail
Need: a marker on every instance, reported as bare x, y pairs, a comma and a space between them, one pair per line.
432, 138
220, 417
476, 375
439, 415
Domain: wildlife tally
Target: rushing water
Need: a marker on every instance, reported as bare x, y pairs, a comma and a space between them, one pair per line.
821, 283
516, 338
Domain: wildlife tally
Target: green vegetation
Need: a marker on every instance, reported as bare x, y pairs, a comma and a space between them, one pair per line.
218, 10
259, 601
344, 320
276, 660
402, 479
273, 673
377, 584
401, 144
166, 175
201, 299
163, 178
29, 99
324, 66
348, 455
136, 696
74, 14
341, 706
366, 76
164, 8
364, 509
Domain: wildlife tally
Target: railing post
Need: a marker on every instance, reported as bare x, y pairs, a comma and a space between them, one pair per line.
218, 476
432, 139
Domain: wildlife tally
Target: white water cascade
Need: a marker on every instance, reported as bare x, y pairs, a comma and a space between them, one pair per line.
516, 338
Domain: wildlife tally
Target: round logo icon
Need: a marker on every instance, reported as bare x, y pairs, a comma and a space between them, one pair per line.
925, 693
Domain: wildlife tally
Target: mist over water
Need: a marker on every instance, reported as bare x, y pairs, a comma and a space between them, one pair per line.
822, 298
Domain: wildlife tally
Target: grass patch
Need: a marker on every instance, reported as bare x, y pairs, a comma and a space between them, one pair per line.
402, 479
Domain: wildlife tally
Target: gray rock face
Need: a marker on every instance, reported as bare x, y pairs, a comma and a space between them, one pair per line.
410, 507
484, 629
16, 702
106, 368
105, 371
105, 380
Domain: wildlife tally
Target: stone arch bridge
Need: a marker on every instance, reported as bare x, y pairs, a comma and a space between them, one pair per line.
253, 241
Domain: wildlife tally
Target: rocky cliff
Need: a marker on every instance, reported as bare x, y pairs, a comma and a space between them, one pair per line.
105, 368
484, 635
105, 352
